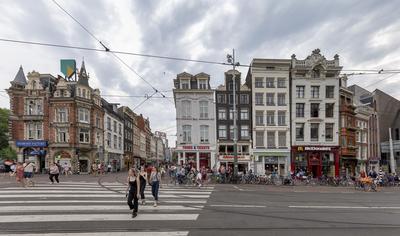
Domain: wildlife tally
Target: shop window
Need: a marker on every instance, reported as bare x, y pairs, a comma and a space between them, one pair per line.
229, 149
222, 149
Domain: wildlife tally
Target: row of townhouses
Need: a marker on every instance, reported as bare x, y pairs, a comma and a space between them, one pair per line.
291, 115
54, 119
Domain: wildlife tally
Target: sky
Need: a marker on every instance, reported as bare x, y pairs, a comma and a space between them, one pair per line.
364, 33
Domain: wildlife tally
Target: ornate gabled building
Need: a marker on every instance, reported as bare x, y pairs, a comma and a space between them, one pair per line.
29, 116
55, 120
315, 114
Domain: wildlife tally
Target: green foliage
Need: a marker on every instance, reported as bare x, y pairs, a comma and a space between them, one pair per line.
4, 113
8, 153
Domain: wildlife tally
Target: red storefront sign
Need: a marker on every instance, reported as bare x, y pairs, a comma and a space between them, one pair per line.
196, 147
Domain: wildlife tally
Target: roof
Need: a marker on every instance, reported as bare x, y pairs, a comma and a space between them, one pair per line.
83, 77
20, 77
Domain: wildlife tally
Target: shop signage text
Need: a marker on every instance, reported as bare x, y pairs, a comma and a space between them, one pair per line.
31, 143
196, 147
302, 149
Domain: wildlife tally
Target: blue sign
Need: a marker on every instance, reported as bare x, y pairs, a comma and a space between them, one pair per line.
31, 143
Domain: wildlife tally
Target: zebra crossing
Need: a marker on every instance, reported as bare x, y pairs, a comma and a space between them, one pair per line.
75, 203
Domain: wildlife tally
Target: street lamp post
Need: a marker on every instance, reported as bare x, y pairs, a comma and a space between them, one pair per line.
231, 60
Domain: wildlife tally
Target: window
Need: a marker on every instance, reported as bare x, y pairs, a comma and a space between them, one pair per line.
314, 91
98, 142
330, 91
204, 133
115, 141
259, 139
108, 123
259, 98
314, 110
33, 107
300, 91
61, 115
270, 99
222, 131
97, 121
299, 109
83, 115
186, 109
244, 99
34, 130
109, 140
270, 82
203, 84
270, 117
185, 84
271, 139
299, 131
259, 82
259, 118
221, 98
281, 117
282, 138
115, 126
314, 131
79, 92
231, 114
244, 131
329, 109
62, 135
281, 83
244, 114
231, 132
281, 99
120, 129
222, 114
83, 135
203, 109
84, 93
230, 85
231, 99
187, 133
329, 132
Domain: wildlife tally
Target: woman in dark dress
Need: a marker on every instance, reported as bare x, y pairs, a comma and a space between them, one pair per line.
143, 178
133, 191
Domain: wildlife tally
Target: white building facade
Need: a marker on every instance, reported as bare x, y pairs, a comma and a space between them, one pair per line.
195, 120
113, 136
269, 83
315, 114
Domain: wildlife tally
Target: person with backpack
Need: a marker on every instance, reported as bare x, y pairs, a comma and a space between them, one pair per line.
155, 178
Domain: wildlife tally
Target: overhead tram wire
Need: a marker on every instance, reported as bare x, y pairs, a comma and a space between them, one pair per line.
137, 106
387, 77
105, 49
108, 50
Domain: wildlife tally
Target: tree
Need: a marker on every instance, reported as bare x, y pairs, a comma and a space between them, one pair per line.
4, 113
8, 153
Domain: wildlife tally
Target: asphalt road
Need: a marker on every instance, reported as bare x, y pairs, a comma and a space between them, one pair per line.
84, 204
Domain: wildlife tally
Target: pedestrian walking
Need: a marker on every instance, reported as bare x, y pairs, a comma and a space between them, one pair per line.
155, 178
54, 173
94, 169
143, 179
132, 191
29, 168
109, 168
198, 179
19, 176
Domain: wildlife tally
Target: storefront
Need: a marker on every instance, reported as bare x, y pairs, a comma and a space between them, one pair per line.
197, 156
316, 160
267, 162
244, 162
34, 151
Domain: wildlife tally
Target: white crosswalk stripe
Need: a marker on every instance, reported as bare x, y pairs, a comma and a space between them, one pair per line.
91, 202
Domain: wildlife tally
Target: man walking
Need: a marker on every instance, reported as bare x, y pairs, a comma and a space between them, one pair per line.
54, 173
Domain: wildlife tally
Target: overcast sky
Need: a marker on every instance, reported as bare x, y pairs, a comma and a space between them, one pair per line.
365, 33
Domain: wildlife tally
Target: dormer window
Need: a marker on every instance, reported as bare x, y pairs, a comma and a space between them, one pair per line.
203, 84
185, 84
